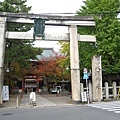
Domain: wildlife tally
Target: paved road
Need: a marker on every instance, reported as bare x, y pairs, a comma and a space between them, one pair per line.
80, 112
52, 107
113, 106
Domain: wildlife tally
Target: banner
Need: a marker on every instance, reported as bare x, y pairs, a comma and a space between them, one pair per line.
5, 93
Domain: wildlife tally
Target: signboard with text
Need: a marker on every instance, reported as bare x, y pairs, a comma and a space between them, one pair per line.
84, 96
5, 93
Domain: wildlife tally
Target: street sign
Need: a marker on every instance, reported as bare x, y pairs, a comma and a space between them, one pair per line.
85, 76
84, 96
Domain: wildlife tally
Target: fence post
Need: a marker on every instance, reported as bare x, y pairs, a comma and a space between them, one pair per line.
17, 102
90, 91
81, 87
106, 91
81, 90
114, 90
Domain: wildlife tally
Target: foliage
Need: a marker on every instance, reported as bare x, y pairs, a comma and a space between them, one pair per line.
107, 34
106, 31
85, 58
49, 68
18, 52
65, 62
14, 6
18, 60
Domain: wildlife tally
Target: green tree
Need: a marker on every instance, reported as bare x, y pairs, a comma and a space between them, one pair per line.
107, 34
106, 31
65, 62
18, 52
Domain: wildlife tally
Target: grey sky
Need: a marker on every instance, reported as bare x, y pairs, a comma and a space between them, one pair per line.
53, 6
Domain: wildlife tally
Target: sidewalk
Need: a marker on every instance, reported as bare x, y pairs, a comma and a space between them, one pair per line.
12, 103
40, 101
43, 100
58, 100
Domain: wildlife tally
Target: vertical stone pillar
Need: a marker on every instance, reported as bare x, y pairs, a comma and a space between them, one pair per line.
2, 54
74, 61
90, 92
106, 91
81, 87
81, 90
114, 90
97, 78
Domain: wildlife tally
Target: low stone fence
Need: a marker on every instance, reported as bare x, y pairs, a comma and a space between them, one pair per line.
108, 92
111, 92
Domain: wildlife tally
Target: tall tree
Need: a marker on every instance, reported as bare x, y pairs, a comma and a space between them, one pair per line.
106, 30
18, 52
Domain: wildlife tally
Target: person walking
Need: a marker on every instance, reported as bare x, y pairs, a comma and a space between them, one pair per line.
32, 98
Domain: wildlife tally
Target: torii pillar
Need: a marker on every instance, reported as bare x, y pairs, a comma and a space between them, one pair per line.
74, 61
2, 54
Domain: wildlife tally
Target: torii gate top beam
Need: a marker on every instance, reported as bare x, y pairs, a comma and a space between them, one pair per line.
48, 17
53, 20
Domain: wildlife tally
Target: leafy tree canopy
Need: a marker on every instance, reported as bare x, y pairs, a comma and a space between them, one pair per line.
106, 31
18, 52
107, 35
51, 70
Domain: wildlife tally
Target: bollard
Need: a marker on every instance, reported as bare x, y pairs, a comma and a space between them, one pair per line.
17, 102
90, 92
106, 91
114, 90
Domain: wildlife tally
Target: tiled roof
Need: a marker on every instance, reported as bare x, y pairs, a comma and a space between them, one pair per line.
47, 53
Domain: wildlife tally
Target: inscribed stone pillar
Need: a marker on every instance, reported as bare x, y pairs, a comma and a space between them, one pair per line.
97, 78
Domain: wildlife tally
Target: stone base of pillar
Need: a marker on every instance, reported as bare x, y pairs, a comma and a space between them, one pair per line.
1, 106
97, 100
75, 102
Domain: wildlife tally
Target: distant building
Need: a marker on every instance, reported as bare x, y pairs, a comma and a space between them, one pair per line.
32, 81
47, 53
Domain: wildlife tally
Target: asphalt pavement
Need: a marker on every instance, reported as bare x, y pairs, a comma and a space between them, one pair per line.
58, 107
42, 100
81, 112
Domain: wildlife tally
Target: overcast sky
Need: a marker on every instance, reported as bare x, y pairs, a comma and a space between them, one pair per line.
53, 6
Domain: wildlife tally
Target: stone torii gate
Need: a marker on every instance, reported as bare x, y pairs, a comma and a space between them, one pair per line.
71, 21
